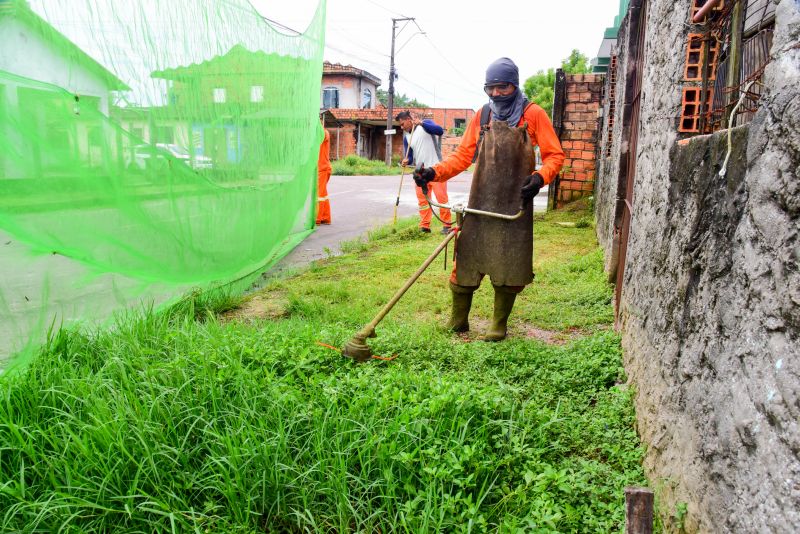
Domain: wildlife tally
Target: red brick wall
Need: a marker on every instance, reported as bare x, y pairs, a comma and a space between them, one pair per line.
449, 145
337, 79
579, 137
397, 145
446, 118
343, 141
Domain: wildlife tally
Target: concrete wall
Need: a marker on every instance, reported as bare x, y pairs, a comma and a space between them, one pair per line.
710, 309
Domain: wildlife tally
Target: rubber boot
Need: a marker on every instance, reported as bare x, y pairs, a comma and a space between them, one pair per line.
503, 302
462, 302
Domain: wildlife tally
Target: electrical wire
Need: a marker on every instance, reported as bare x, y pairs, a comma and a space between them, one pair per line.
279, 25
371, 49
385, 8
436, 48
384, 68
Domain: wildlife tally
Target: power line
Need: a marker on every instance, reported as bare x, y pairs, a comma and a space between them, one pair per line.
436, 48
382, 67
386, 9
447, 60
279, 25
343, 33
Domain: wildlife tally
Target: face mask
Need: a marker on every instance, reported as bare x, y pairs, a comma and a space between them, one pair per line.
502, 99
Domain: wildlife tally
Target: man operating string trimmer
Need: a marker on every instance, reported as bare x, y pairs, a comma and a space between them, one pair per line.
504, 171
496, 233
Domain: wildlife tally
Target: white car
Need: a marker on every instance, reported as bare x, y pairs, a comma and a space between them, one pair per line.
142, 155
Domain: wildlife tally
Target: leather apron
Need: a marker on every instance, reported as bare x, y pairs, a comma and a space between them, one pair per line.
488, 246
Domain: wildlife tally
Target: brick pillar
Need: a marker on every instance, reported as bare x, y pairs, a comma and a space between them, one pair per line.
579, 137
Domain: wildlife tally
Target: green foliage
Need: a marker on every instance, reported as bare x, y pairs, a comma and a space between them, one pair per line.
170, 424
400, 100
681, 510
539, 87
458, 132
576, 63
353, 165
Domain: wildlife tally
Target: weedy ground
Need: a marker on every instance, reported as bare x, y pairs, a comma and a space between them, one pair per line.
223, 414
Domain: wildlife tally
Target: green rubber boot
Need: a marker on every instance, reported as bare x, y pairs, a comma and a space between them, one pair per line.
462, 302
503, 302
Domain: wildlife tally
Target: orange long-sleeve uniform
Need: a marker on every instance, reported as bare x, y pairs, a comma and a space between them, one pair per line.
323, 175
540, 131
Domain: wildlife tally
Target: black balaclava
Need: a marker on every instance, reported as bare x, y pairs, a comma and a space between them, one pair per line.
507, 108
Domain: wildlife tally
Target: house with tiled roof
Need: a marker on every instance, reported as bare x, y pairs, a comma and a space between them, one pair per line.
357, 121
58, 95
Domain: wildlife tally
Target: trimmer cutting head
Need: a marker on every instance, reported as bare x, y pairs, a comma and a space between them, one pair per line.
357, 348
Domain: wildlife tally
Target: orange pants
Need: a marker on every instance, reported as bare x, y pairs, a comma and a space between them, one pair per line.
439, 191
323, 204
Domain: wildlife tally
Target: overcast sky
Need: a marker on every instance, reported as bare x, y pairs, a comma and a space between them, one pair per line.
445, 67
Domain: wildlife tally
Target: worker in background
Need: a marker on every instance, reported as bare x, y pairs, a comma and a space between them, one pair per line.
323, 175
501, 249
421, 149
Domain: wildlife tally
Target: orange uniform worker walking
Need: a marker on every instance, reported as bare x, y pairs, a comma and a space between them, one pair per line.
323, 175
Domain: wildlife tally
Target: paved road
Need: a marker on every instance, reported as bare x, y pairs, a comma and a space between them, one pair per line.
361, 203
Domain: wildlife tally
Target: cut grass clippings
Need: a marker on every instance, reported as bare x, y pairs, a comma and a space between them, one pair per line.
183, 422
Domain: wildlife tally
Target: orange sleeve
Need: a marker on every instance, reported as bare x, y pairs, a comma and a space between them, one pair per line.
541, 132
461, 159
324, 160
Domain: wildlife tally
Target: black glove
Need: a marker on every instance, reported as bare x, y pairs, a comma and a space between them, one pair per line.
422, 176
531, 187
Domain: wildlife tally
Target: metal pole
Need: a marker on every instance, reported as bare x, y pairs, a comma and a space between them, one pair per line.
390, 107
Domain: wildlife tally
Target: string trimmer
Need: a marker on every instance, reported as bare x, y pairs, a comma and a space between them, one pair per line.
357, 347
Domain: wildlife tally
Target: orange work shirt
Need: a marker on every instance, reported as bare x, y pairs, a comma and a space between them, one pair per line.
540, 130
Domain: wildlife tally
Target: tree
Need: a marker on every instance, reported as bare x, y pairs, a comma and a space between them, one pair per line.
400, 100
576, 63
539, 87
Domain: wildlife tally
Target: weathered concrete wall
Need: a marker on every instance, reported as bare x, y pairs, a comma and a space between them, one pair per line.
710, 309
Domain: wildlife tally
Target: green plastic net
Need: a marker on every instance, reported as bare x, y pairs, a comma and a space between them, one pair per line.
146, 149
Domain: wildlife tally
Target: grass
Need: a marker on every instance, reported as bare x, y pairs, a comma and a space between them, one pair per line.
353, 165
184, 421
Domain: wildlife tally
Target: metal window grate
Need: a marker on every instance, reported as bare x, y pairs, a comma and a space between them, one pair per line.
758, 15
748, 40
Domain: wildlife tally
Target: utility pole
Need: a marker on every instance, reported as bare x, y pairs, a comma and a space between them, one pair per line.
390, 107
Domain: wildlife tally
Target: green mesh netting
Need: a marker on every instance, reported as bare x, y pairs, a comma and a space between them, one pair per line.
146, 148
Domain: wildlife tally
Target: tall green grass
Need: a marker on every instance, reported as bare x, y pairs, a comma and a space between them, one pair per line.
353, 165
180, 422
